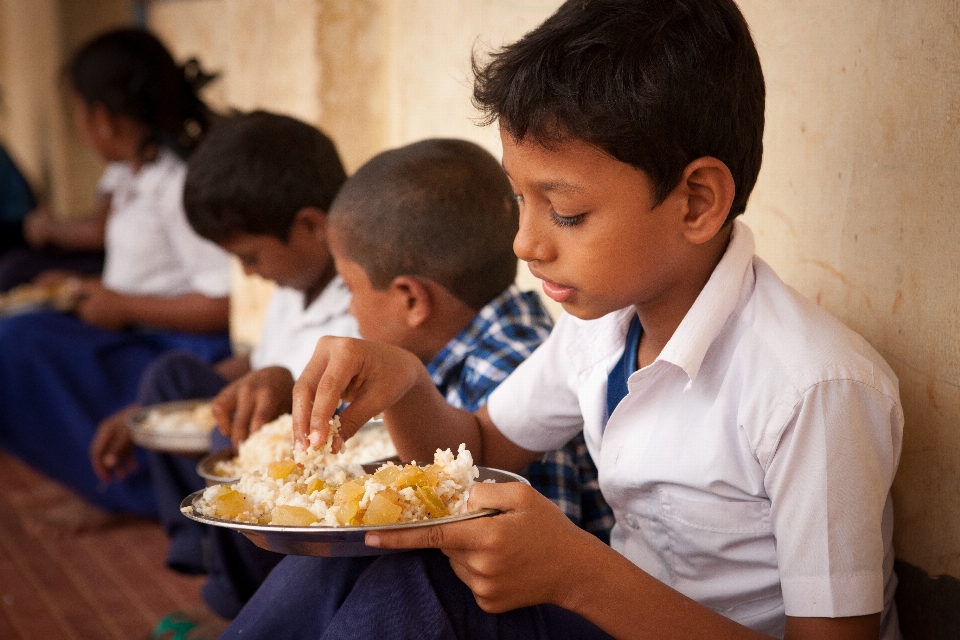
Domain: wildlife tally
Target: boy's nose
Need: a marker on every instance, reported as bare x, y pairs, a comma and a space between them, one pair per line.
529, 243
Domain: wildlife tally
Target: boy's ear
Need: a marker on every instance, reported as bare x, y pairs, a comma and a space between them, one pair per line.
709, 191
311, 219
416, 300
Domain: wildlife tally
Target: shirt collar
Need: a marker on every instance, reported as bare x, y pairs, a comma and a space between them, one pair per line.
333, 301
713, 307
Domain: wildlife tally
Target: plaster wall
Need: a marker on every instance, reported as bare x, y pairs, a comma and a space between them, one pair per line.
856, 201
36, 39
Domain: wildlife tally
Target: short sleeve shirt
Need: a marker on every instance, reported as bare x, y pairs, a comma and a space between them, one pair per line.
290, 330
150, 247
750, 465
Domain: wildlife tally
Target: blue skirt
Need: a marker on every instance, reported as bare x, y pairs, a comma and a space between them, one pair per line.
59, 377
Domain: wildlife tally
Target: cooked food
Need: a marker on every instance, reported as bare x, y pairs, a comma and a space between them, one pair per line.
61, 296
305, 492
274, 442
195, 420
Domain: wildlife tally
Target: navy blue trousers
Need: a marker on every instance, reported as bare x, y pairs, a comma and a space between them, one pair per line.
414, 594
59, 377
235, 567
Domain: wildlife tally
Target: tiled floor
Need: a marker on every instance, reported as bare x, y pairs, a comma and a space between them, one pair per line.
106, 581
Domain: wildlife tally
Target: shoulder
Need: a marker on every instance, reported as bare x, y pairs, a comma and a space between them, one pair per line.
807, 343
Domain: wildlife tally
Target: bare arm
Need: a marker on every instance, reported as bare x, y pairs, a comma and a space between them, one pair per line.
193, 312
41, 229
376, 378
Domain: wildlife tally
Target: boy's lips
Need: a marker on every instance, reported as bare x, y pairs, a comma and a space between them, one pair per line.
557, 292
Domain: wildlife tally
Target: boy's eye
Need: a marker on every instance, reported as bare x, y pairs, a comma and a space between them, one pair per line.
566, 221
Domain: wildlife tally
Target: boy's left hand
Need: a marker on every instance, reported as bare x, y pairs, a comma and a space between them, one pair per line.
525, 555
253, 400
100, 306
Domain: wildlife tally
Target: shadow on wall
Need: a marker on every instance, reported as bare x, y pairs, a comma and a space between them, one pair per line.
929, 608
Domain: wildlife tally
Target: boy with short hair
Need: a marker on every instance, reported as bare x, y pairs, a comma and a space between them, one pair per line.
259, 186
746, 440
422, 236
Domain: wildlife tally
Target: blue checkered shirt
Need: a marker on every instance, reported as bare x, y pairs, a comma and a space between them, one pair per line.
501, 336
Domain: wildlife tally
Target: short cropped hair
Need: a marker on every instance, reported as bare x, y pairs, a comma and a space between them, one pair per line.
439, 209
654, 83
254, 171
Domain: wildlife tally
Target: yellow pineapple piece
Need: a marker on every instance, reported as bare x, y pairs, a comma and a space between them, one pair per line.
230, 504
431, 501
384, 508
387, 474
431, 476
291, 516
409, 476
347, 498
280, 470
315, 484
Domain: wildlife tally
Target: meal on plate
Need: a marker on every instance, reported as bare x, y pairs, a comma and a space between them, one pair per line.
61, 296
196, 419
302, 491
274, 442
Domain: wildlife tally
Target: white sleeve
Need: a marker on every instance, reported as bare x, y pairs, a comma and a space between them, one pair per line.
113, 176
537, 406
833, 519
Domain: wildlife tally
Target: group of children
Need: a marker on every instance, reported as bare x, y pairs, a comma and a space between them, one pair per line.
745, 441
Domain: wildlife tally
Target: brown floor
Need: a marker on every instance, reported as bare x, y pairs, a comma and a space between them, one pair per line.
68, 570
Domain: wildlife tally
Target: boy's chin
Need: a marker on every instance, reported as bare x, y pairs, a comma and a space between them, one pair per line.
585, 312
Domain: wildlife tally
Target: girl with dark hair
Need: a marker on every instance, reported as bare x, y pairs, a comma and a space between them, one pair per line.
163, 286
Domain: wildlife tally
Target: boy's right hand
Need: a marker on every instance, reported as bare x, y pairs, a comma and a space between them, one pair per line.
111, 452
251, 401
369, 375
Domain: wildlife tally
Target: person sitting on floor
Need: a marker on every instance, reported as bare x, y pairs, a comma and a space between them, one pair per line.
422, 235
163, 286
259, 185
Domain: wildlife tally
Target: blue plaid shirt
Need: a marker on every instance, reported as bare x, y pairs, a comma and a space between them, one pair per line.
501, 336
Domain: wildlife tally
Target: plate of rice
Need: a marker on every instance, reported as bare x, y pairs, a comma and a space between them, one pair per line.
27, 298
303, 508
274, 442
174, 427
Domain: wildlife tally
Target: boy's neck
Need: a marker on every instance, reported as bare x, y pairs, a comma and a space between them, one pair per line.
661, 318
448, 318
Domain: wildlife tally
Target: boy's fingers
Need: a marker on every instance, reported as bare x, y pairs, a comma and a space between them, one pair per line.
242, 415
223, 407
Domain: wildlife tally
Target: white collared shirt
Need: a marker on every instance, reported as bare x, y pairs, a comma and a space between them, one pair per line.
290, 331
749, 466
150, 247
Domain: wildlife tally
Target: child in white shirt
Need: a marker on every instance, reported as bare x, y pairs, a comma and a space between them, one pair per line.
259, 186
163, 286
745, 440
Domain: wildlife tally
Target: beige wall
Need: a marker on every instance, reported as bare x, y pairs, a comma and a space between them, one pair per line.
36, 39
856, 202
857, 206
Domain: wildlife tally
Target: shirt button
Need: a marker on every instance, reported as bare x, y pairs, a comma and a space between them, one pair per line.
631, 521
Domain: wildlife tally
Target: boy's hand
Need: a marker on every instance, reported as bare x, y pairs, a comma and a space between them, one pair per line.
251, 401
38, 227
369, 375
111, 452
100, 306
525, 555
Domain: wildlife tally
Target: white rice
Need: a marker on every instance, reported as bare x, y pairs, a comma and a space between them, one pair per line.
262, 493
274, 442
196, 420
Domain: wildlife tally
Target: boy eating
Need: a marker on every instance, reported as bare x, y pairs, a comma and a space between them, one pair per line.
422, 236
259, 186
745, 439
